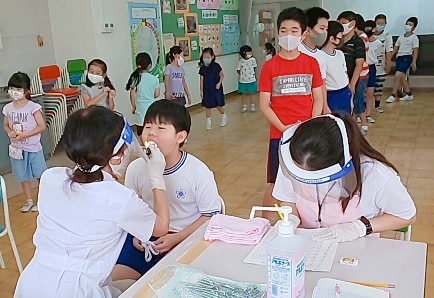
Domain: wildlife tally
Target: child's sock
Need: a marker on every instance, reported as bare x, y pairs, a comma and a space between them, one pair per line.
208, 123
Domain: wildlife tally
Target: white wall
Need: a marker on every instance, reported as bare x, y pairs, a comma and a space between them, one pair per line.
20, 23
397, 12
303, 4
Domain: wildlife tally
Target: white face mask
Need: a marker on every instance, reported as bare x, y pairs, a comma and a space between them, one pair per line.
347, 28
289, 42
380, 28
180, 61
95, 79
408, 28
249, 56
15, 95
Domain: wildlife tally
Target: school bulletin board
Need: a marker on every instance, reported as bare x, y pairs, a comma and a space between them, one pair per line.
197, 24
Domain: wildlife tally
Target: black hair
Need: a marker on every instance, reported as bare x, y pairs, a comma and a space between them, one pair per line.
360, 22
295, 14
334, 27
311, 147
347, 15
244, 50
89, 137
209, 51
369, 27
270, 48
101, 64
313, 14
380, 17
171, 55
169, 112
20, 80
414, 20
143, 60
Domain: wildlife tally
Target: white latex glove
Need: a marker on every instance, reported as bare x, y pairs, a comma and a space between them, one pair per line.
342, 232
155, 164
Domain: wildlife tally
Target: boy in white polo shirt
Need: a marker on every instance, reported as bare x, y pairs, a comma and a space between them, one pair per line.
191, 190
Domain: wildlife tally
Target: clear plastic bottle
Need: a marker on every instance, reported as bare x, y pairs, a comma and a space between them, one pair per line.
285, 255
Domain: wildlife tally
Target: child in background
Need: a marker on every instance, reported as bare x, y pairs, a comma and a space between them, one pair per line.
355, 55
269, 51
290, 87
375, 46
407, 47
144, 89
247, 77
174, 77
211, 88
98, 90
24, 123
339, 95
191, 190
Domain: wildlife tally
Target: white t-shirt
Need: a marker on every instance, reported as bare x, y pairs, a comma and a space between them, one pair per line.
382, 191
386, 47
318, 55
407, 44
374, 49
337, 77
81, 229
247, 70
191, 190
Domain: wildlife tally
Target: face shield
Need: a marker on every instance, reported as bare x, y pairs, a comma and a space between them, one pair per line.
327, 185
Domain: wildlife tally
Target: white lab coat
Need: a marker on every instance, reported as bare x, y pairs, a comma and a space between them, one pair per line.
81, 229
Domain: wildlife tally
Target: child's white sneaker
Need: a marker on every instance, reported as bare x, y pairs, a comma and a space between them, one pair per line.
208, 123
364, 129
379, 110
407, 97
27, 206
35, 208
370, 119
244, 109
224, 120
390, 99
358, 120
252, 108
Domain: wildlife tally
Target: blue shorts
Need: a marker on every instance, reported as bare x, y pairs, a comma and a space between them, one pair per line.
372, 76
247, 87
340, 100
30, 167
403, 63
134, 258
273, 160
359, 96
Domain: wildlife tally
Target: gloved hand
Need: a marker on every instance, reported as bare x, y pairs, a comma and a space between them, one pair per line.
341, 232
155, 164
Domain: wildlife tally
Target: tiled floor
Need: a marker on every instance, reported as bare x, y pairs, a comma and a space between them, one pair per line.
237, 155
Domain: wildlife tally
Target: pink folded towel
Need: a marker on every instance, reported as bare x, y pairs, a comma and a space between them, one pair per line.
236, 230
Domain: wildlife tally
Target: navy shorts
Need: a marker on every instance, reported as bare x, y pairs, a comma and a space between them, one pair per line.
403, 63
372, 76
359, 96
273, 160
135, 259
340, 100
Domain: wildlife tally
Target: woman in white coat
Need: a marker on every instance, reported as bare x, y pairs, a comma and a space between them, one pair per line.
85, 215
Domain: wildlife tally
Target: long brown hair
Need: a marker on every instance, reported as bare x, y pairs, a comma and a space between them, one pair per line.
317, 144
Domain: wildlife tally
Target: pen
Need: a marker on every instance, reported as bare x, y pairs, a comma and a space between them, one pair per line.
375, 285
280, 214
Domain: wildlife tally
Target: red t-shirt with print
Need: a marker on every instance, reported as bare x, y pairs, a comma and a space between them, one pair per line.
290, 83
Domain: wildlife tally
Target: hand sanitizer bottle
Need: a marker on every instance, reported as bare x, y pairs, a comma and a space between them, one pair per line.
285, 255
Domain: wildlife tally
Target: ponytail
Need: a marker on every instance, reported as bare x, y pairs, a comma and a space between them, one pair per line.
134, 79
108, 83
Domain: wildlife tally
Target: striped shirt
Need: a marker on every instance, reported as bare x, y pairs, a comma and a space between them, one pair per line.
365, 67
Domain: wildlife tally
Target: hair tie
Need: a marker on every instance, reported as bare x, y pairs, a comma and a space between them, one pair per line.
138, 66
91, 170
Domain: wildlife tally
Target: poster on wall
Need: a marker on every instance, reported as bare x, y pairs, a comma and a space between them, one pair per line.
181, 6
229, 5
230, 38
191, 26
144, 20
184, 43
210, 37
208, 4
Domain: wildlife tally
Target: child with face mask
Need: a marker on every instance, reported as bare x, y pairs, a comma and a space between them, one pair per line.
144, 89
339, 94
269, 51
290, 87
407, 50
317, 22
24, 123
247, 78
211, 88
98, 89
174, 77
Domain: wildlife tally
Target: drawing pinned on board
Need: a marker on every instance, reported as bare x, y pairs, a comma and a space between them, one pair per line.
167, 8
180, 21
184, 43
181, 6
191, 24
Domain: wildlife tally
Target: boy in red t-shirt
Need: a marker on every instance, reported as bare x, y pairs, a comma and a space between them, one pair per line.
290, 88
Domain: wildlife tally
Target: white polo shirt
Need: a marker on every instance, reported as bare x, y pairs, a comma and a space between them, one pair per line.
386, 46
337, 77
318, 55
407, 44
382, 191
374, 49
191, 190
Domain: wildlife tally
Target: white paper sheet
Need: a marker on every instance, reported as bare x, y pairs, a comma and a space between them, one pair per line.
319, 256
326, 288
